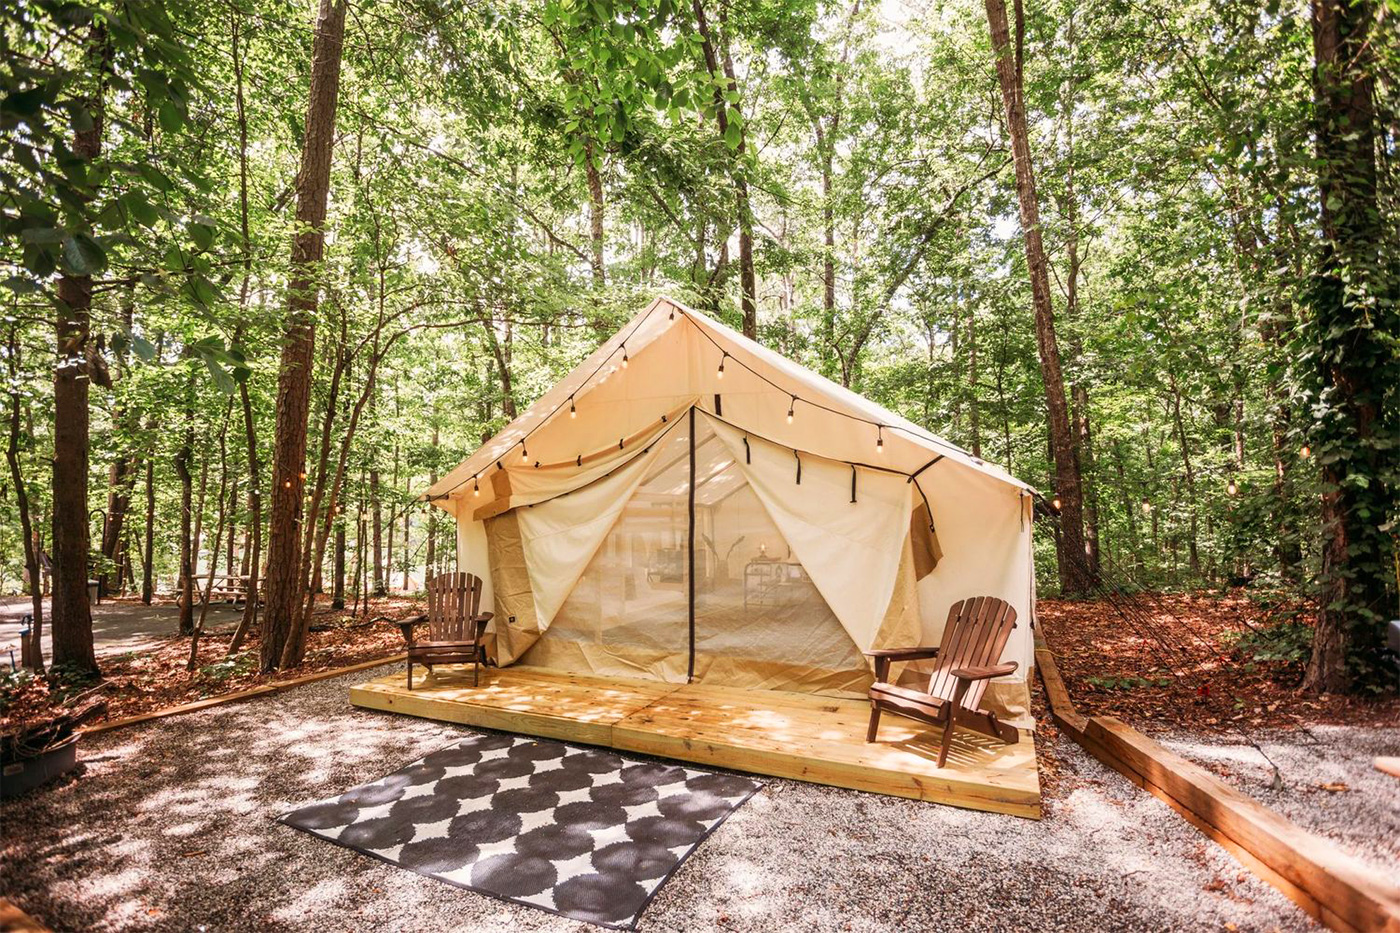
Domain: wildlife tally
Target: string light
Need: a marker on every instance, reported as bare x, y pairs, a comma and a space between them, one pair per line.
1146, 507
1231, 488
1056, 503
1306, 451
603, 373
288, 484
476, 487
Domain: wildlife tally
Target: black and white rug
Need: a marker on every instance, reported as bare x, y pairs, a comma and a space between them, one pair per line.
580, 832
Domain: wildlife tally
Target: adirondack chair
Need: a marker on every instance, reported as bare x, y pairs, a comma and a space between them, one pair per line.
455, 625
973, 639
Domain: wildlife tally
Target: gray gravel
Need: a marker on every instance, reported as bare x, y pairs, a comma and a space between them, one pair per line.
171, 828
1329, 785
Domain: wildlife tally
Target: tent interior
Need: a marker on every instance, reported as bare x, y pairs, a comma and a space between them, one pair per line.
689, 506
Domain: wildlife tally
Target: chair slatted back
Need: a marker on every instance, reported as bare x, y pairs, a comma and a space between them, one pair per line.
453, 600
974, 636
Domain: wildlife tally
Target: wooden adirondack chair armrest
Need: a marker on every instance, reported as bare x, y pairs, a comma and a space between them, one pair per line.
884, 656
984, 673
902, 654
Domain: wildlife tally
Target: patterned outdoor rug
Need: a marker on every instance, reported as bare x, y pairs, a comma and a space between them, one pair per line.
580, 832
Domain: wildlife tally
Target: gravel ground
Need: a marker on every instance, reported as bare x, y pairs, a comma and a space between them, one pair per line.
171, 828
1329, 785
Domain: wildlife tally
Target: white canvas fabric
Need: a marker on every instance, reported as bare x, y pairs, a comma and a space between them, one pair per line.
673, 356
846, 547
561, 535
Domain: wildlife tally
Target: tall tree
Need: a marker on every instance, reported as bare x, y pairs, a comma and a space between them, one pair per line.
1075, 576
71, 616
1355, 320
299, 338
729, 119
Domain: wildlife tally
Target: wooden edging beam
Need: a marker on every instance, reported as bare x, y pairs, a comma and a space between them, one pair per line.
14, 920
1328, 884
261, 690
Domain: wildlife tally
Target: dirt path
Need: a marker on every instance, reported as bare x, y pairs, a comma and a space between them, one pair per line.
117, 627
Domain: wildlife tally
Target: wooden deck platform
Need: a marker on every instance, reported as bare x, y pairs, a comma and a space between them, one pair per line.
790, 735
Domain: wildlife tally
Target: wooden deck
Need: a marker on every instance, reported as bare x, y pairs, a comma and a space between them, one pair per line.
790, 735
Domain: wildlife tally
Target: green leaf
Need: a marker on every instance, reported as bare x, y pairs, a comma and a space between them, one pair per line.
143, 347
42, 235
221, 377
83, 255
79, 118
732, 136
155, 177
140, 209
24, 103
170, 118
202, 235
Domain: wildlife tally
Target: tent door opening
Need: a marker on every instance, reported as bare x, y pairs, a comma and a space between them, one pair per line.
694, 582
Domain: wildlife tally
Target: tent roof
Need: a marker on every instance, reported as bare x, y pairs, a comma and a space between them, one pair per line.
840, 426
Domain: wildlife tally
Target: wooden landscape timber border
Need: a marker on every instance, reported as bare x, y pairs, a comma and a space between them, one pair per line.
261, 690
14, 920
1331, 886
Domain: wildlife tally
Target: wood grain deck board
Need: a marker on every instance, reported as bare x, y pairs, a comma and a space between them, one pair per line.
792, 735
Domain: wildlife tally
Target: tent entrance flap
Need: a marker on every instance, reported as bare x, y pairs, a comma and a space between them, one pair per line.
694, 581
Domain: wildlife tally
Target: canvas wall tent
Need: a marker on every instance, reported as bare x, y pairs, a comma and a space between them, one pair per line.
689, 504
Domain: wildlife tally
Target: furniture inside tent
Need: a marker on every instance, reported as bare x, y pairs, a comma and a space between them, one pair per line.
689, 506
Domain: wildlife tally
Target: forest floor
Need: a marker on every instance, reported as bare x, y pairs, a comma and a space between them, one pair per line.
170, 826
153, 673
1216, 679
1196, 660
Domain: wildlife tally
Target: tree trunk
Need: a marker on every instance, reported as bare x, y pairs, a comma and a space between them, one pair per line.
1353, 324
595, 211
252, 554
431, 557
294, 373
338, 583
377, 519
1074, 572
974, 415
31, 651
148, 584
182, 469
71, 619
723, 75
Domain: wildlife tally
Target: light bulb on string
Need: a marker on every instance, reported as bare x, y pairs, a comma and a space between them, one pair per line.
1306, 451
879, 438
476, 487
719, 374
524, 454
1055, 502
624, 356
1231, 487
791, 406
1146, 507
573, 412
